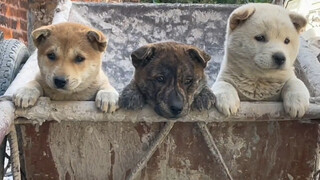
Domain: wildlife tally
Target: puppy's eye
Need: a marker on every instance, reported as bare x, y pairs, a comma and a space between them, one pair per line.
79, 59
160, 79
188, 81
51, 56
287, 41
260, 38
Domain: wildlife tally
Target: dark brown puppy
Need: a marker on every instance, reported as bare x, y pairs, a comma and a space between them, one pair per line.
170, 77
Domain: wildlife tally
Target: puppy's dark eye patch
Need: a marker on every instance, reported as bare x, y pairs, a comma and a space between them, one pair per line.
79, 59
261, 38
51, 56
287, 41
160, 79
188, 81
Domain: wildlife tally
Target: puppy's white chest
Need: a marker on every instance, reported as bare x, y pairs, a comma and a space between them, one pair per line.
249, 89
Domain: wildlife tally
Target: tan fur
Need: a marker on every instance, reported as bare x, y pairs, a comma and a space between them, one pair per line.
249, 72
86, 80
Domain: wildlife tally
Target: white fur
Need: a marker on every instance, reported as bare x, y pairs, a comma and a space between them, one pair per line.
248, 71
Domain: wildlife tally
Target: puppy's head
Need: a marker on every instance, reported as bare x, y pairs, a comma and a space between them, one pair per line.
265, 35
69, 55
169, 75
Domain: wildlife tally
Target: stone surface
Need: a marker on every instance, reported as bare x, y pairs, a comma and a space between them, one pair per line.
130, 26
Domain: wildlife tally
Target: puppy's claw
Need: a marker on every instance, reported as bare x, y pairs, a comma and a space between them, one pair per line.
107, 101
296, 104
227, 104
26, 97
204, 100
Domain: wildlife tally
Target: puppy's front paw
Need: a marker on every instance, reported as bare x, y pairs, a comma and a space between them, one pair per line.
26, 97
227, 103
131, 99
204, 100
107, 101
296, 103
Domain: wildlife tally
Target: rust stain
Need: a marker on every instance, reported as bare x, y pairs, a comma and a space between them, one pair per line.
142, 128
37, 154
112, 162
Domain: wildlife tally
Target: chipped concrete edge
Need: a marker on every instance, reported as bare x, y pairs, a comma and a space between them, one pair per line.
78, 111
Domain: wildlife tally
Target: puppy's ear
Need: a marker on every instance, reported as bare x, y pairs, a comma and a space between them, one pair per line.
98, 40
142, 55
239, 15
40, 35
199, 56
298, 21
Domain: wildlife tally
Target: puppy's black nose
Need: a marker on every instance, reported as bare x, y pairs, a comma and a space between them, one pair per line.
176, 110
175, 103
279, 58
60, 82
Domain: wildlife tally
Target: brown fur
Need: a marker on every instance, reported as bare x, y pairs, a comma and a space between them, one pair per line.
71, 52
168, 75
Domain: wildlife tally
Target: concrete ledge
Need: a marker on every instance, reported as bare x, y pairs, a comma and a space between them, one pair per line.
79, 111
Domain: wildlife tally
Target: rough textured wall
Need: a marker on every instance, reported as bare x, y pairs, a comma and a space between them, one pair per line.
131, 26
105, 150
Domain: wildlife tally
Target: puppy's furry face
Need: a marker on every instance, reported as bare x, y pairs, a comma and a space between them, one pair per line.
169, 75
264, 35
69, 55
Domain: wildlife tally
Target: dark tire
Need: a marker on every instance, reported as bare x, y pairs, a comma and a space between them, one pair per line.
13, 54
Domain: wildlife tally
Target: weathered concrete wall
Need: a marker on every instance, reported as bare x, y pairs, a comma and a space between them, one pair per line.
130, 26
265, 150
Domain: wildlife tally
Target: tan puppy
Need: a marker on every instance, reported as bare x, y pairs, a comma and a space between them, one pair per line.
261, 46
69, 58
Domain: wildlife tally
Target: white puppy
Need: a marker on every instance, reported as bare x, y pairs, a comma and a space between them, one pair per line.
262, 43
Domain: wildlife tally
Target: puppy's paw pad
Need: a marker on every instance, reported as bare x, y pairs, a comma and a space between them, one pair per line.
296, 104
26, 97
107, 101
131, 100
204, 100
227, 104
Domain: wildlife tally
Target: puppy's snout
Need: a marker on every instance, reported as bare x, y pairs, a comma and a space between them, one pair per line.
60, 82
175, 103
278, 58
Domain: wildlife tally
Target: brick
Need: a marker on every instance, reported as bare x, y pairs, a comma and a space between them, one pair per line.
17, 34
23, 24
18, 28
3, 20
22, 14
3, 8
8, 33
12, 11
8, 22
13, 2
24, 4
25, 36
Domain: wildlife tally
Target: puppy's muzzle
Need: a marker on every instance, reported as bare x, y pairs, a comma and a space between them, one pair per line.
60, 82
175, 103
279, 58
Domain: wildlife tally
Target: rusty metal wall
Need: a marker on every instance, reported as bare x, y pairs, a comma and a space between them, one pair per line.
262, 150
